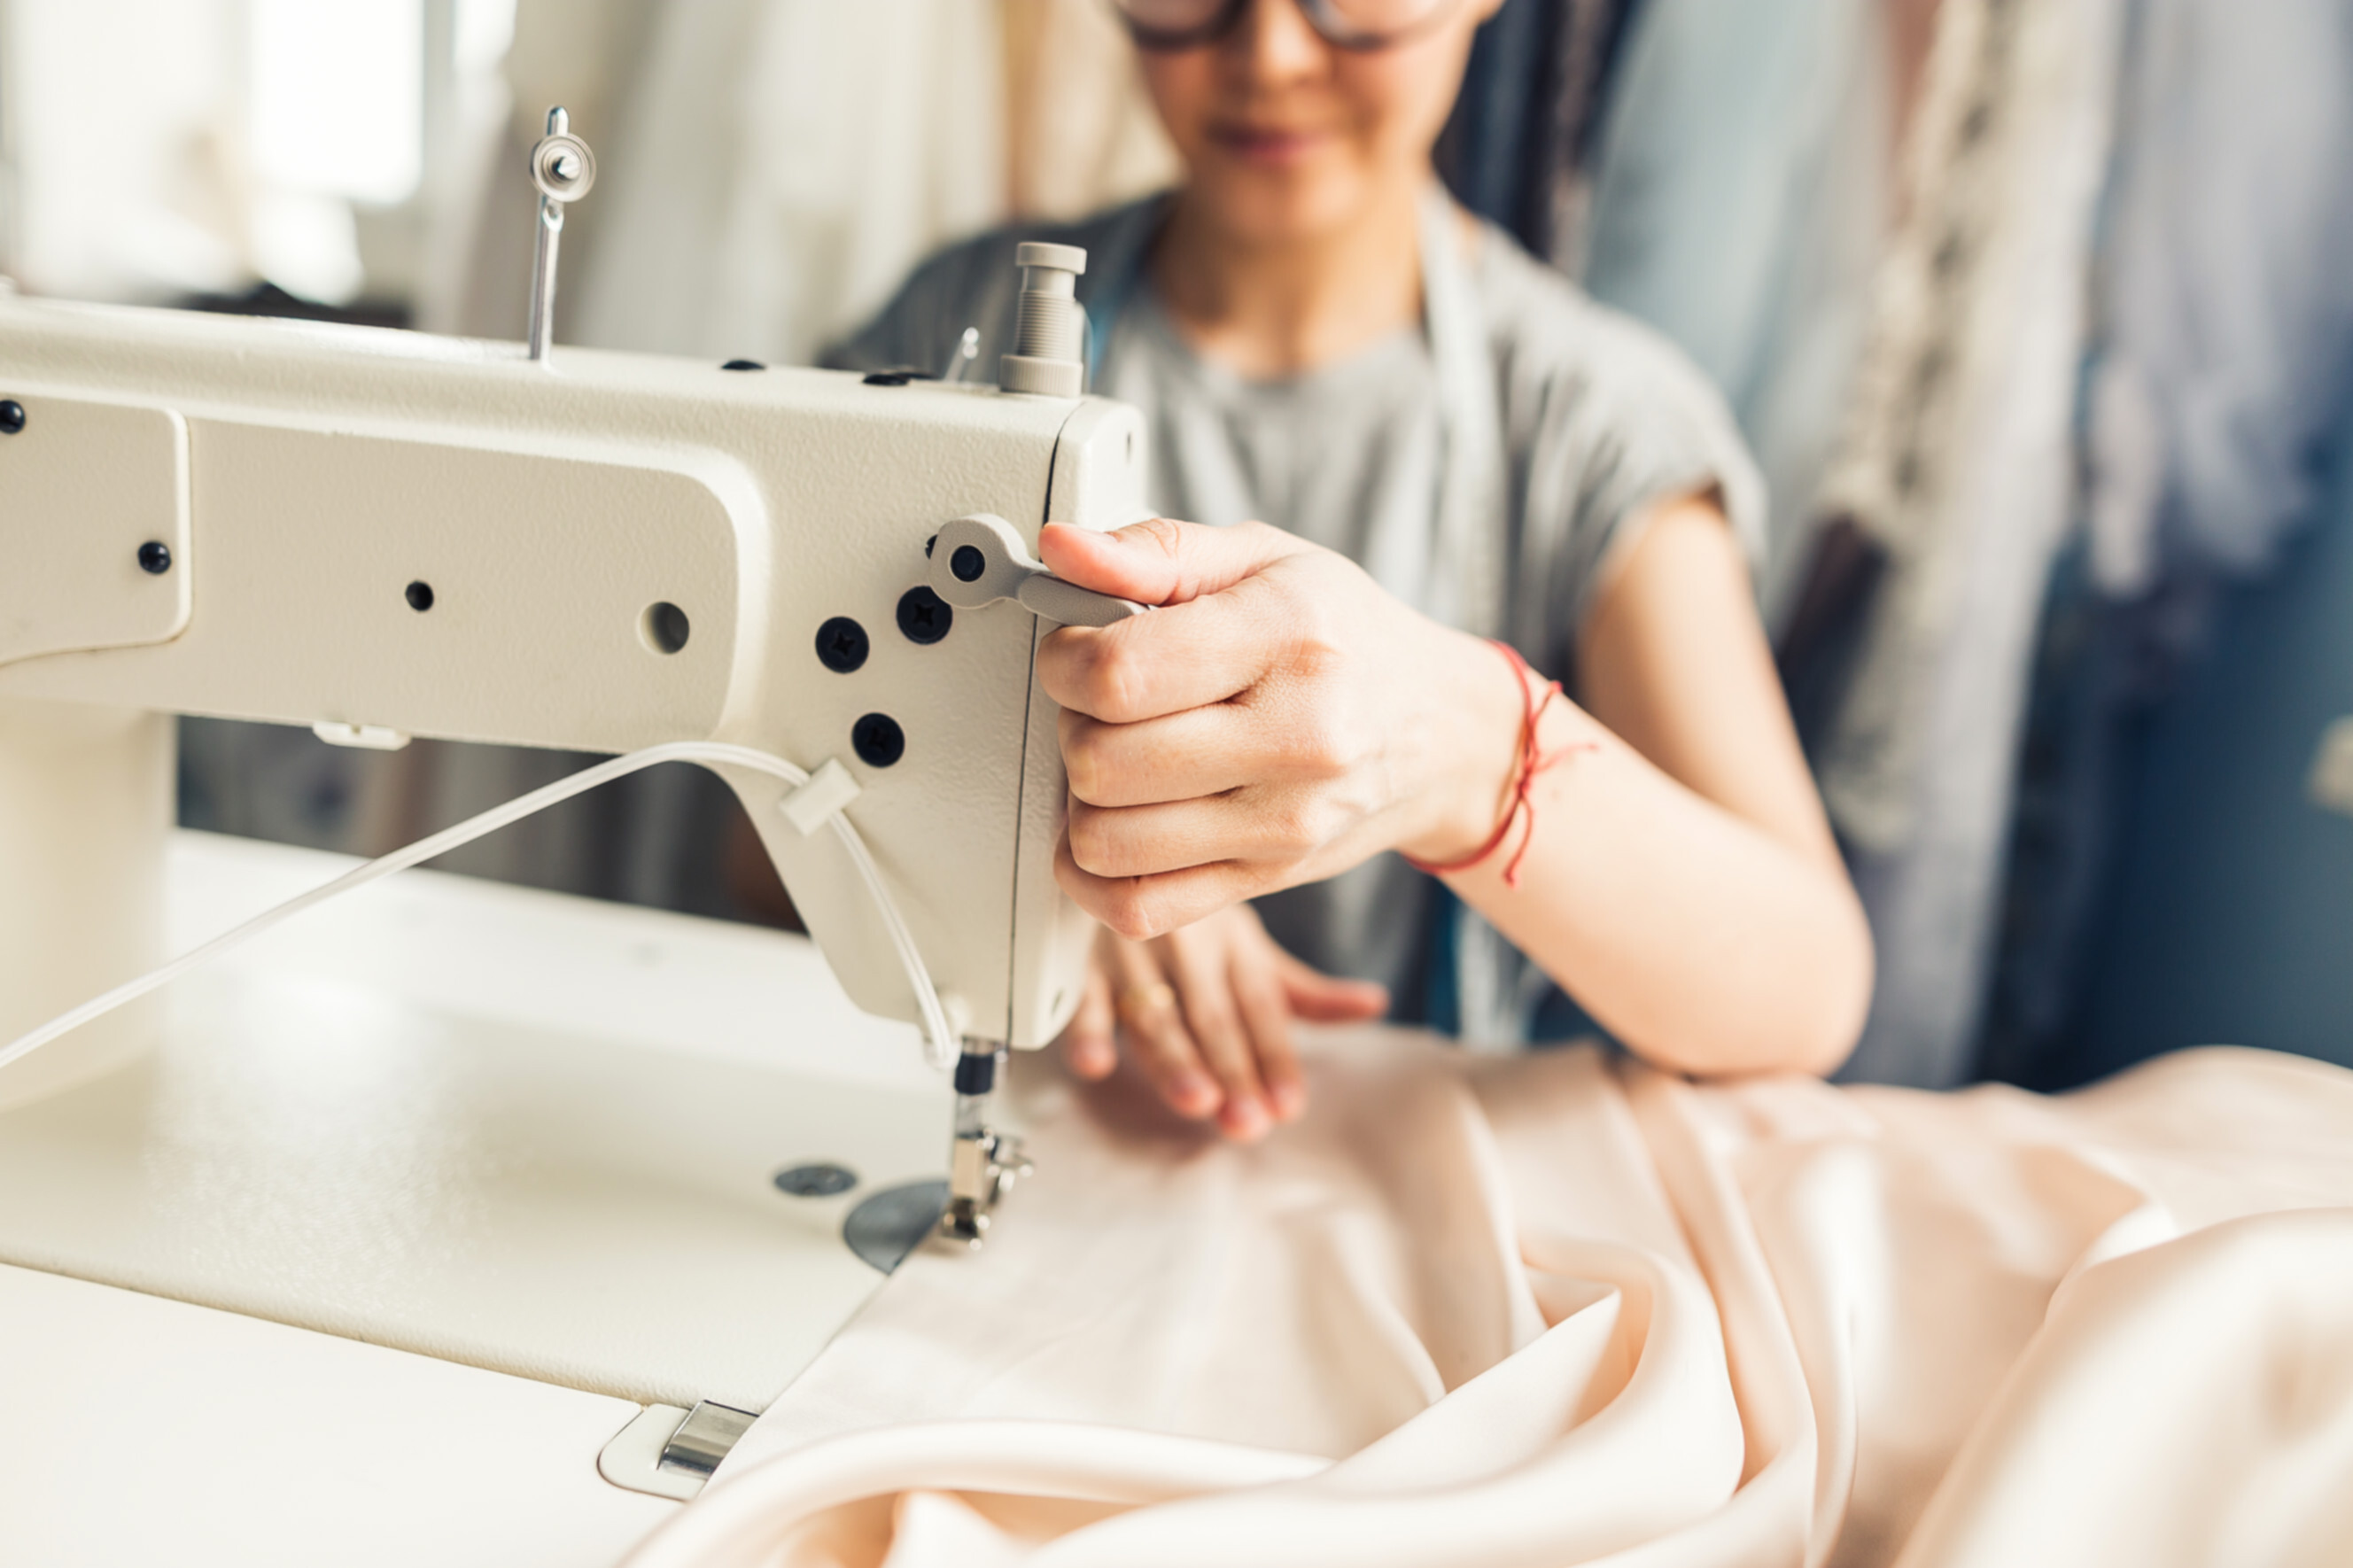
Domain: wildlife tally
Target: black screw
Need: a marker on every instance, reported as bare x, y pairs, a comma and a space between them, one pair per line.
419, 596
11, 417
825, 1180
841, 645
924, 615
155, 558
742, 364
967, 562
877, 740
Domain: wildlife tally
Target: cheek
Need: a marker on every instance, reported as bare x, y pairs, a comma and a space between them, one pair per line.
1399, 98
1183, 87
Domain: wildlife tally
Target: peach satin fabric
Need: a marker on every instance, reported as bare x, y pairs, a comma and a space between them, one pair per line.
1562, 1309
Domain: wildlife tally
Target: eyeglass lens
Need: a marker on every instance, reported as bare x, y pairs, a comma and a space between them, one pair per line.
1188, 22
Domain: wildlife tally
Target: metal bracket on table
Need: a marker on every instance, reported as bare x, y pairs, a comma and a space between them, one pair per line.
668, 1452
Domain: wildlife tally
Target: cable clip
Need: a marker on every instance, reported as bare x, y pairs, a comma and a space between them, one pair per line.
811, 804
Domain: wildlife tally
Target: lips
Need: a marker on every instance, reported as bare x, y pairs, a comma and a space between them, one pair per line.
1267, 144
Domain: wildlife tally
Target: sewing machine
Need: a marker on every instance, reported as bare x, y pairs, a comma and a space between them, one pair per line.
384, 535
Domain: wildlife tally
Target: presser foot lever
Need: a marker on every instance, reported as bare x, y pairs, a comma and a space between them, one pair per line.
988, 1163
984, 1163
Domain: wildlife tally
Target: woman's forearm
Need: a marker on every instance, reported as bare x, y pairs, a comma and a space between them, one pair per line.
1697, 939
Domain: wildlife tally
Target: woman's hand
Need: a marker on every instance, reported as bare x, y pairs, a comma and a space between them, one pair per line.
1280, 719
1207, 1013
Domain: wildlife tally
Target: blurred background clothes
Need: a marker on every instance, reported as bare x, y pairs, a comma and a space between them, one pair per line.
2038, 317
2171, 875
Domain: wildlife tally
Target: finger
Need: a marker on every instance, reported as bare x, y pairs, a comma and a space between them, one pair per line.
1162, 561
1205, 985
1156, 1036
1329, 998
1200, 650
1266, 1013
1183, 657
1267, 828
1087, 1042
1141, 907
1200, 752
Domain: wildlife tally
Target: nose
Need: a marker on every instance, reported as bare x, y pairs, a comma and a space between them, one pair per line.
1275, 42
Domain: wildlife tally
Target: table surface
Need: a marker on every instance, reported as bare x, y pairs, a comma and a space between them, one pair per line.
521, 1145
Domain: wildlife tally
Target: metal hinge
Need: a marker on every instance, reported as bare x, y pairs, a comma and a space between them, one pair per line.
670, 1452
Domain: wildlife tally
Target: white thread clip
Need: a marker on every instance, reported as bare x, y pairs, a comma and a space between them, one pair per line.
360, 737
827, 790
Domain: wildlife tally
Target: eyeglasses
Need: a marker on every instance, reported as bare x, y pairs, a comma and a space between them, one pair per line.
1168, 25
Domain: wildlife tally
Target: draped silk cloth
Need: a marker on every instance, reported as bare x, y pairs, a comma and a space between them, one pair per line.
1562, 1309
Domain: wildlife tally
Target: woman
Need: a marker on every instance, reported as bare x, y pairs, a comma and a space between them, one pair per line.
1457, 446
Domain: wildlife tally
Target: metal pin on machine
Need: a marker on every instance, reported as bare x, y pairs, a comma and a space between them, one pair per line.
985, 1160
564, 170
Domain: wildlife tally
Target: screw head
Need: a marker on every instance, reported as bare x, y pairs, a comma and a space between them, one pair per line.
925, 617
11, 417
742, 364
155, 558
877, 740
419, 596
968, 563
841, 645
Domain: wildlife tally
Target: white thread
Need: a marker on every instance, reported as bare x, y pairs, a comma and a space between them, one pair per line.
941, 1046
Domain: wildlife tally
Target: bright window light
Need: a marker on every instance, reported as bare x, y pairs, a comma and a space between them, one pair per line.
337, 92
485, 33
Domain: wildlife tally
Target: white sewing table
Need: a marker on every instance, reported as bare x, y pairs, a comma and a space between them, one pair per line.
423, 1199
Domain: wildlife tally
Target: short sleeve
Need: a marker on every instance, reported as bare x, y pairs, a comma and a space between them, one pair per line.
1605, 419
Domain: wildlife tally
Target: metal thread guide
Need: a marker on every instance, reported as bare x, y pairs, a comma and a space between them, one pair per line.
564, 170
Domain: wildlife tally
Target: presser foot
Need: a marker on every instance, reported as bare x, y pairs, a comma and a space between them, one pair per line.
986, 1163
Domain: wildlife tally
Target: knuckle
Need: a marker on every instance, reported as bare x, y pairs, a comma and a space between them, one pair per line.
1165, 532
1114, 686
1322, 744
1083, 763
1129, 914
1093, 842
1293, 828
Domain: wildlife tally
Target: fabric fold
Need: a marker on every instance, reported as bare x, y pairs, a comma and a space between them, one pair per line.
1566, 1309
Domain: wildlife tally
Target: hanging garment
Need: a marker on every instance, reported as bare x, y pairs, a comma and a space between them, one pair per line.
1517, 148
2226, 297
1081, 133
1548, 1309
1738, 204
1959, 470
2224, 351
782, 165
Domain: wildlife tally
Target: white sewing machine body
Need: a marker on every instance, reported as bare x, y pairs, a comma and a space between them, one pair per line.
311, 484
393, 535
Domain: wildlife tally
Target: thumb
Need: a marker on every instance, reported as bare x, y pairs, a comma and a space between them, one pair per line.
1328, 999
1162, 561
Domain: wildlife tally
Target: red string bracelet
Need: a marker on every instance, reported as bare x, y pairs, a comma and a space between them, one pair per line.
1531, 763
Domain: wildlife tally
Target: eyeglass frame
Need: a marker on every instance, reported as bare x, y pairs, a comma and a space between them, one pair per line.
1320, 15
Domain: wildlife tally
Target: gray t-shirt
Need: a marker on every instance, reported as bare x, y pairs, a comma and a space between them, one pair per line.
1601, 419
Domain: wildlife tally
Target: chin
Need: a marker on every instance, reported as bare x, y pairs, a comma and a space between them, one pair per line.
1270, 204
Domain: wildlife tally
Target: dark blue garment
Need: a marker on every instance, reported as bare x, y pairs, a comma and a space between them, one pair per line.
1517, 148
2228, 893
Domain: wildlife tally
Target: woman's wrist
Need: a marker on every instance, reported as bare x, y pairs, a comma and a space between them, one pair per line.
1472, 742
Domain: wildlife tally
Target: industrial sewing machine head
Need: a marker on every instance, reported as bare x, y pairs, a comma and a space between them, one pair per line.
385, 535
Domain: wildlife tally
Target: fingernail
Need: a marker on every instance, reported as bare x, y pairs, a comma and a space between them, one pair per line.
1245, 1119
1290, 1100
1094, 1060
1192, 1094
